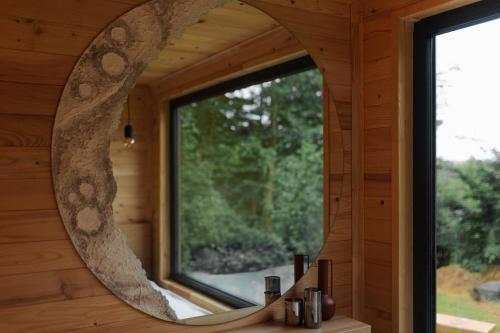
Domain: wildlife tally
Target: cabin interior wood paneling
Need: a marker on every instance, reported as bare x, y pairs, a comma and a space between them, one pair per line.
38, 55
132, 208
386, 230
45, 286
220, 29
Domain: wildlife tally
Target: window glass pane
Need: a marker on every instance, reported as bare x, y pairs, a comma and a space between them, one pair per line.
468, 173
251, 183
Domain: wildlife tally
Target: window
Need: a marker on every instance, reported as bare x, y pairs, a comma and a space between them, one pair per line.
247, 181
456, 165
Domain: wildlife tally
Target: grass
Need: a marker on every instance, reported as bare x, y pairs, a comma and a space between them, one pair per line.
463, 306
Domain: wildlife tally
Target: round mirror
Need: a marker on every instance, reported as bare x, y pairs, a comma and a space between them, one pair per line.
188, 159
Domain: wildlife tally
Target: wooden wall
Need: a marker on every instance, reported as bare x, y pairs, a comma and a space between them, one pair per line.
385, 162
44, 286
132, 208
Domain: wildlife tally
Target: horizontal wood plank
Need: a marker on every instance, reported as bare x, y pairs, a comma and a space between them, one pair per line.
35, 67
24, 163
378, 276
377, 46
55, 38
378, 185
29, 99
379, 92
372, 7
89, 13
338, 324
25, 131
378, 230
338, 251
379, 299
242, 58
380, 321
378, 139
378, 116
45, 287
378, 208
378, 252
27, 194
66, 315
20, 258
31, 226
378, 162
20, 36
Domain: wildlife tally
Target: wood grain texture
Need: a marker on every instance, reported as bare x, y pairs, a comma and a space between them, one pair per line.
35, 67
31, 226
27, 194
90, 13
46, 287
24, 163
38, 257
271, 47
132, 166
25, 131
65, 315
387, 59
220, 29
336, 325
377, 132
38, 74
29, 99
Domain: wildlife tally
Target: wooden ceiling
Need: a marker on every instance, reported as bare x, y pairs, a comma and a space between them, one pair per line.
220, 29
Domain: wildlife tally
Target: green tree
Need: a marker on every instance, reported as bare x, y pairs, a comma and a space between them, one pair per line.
251, 175
468, 214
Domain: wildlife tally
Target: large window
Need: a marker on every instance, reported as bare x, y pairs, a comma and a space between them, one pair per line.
248, 181
457, 169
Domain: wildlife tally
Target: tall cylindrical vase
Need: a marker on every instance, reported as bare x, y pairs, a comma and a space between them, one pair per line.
300, 265
312, 308
328, 305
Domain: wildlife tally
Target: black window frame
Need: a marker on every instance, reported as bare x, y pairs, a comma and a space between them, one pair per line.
424, 151
285, 69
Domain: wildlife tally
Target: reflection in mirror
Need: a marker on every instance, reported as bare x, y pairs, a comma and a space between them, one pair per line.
242, 130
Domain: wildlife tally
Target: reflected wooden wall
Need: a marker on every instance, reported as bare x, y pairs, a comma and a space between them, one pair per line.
132, 208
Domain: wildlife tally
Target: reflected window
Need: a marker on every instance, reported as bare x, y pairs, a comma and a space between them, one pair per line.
248, 181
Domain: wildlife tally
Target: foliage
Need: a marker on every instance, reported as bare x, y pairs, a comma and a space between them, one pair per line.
468, 213
251, 191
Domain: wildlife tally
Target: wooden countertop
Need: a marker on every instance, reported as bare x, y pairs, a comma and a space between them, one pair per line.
339, 324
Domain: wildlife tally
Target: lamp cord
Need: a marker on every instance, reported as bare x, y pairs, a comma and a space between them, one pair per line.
128, 110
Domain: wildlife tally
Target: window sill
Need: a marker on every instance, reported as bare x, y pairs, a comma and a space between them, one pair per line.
195, 297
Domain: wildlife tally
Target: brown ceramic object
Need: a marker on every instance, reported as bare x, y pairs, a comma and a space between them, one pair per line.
328, 305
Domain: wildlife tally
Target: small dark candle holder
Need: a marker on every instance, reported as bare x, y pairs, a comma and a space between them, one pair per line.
271, 296
294, 311
273, 283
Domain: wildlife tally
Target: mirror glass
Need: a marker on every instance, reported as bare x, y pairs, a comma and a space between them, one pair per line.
218, 161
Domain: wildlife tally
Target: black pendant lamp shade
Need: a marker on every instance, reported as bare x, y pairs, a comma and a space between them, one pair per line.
128, 134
